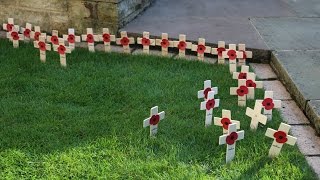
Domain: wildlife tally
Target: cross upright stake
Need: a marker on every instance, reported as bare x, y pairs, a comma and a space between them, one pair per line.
206, 89
208, 105
232, 55
71, 38
164, 43
218, 51
153, 120
43, 47
146, 42
90, 38
280, 137
230, 139
14, 36
107, 38
252, 84
241, 91
256, 116
246, 54
27, 31
125, 41
182, 45
54, 38
201, 48
242, 74
62, 50
269, 103
36, 33
225, 121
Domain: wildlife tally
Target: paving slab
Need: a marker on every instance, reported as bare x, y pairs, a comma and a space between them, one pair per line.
153, 52
263, 71
313, 112
308, 142
314, 162
292, 114
279, 91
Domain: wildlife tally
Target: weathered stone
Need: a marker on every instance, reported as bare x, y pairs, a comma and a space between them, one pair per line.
263, 71
314, 162
308, 142
313, 112
279, 90
292, 114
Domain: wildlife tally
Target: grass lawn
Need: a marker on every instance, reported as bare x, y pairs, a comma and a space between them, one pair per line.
85, 121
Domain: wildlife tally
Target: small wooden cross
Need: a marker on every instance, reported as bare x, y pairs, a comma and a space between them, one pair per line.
280, 137
256, 116
27, 31
269, 103
232, 55
71, 38
251, 82
43, 47
14, 36
36, 33
153, 120
54, 38
208, 105
125, 41
242, 74
146, 42
225, 121
164, 43
206, 89
246, 54
107, 38
218, 51
241, 91
9, 26
90, 38
62, 50
201, 48
182, 45
230, 139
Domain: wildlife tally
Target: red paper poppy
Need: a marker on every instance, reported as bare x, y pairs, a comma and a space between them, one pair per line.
225, 123
232, 138
61, 50
26, 32
106, 37
242, 76
232, 54
206, 92
244, 54
90, 38
9, 27
124, 41
37, 35
201, 49
42, 46
71, 38
210, 104
182, 45
268, 103
220, 50
154, 120
15, 35
145, 42
54, 40
165, 43
250, 83
242, 90
281, 137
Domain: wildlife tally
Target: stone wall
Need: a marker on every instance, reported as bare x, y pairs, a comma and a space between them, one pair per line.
79, 14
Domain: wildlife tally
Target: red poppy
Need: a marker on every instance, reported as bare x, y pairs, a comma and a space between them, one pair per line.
244, 54
206, 91
242, 90
242, 76
54, 40
106, 37
37, 35
182, 45
281, 137
232, 54
26, 32
9, 27
61, 50
90, 38
42, 46
154, 120
232, 138
210, 104
220, 50
124, 41
250, 83
268, 103
225, 123
165, 43
15, 35
71, 38
201, 49
145, 42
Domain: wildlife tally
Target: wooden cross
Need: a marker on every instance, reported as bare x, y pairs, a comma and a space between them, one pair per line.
14, 36
54, 38
71, 38
107, 38
164, 43
182, 45
201, 48
27, 31
241, 91
62, 50
208, 105
125, 41
251, 82
218, 51
43, 47
280, 137
232, 55
36, 33
230, 139
225, 121
9, 26
256, 116
90, 38
206, 89
242, 74
153, 120
146, 42
268, 103
246, 54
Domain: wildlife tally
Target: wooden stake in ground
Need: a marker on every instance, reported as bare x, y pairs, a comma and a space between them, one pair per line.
232, 55
252, 84
225, 121
246, 54
43, 47
125, 41
230, 139
9, 25
153, 120
164, 43
14, 36
269, 103
242, 74
280, 137
218, 51
256, 116
182, 45
209, 104
241, 91
107, 38
36, 33
54, 38
206, 89
62, 50
90, 38
27, 31
71, 38
201, 48
146, 42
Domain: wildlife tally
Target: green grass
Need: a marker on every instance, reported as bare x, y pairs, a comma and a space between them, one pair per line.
85, 121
